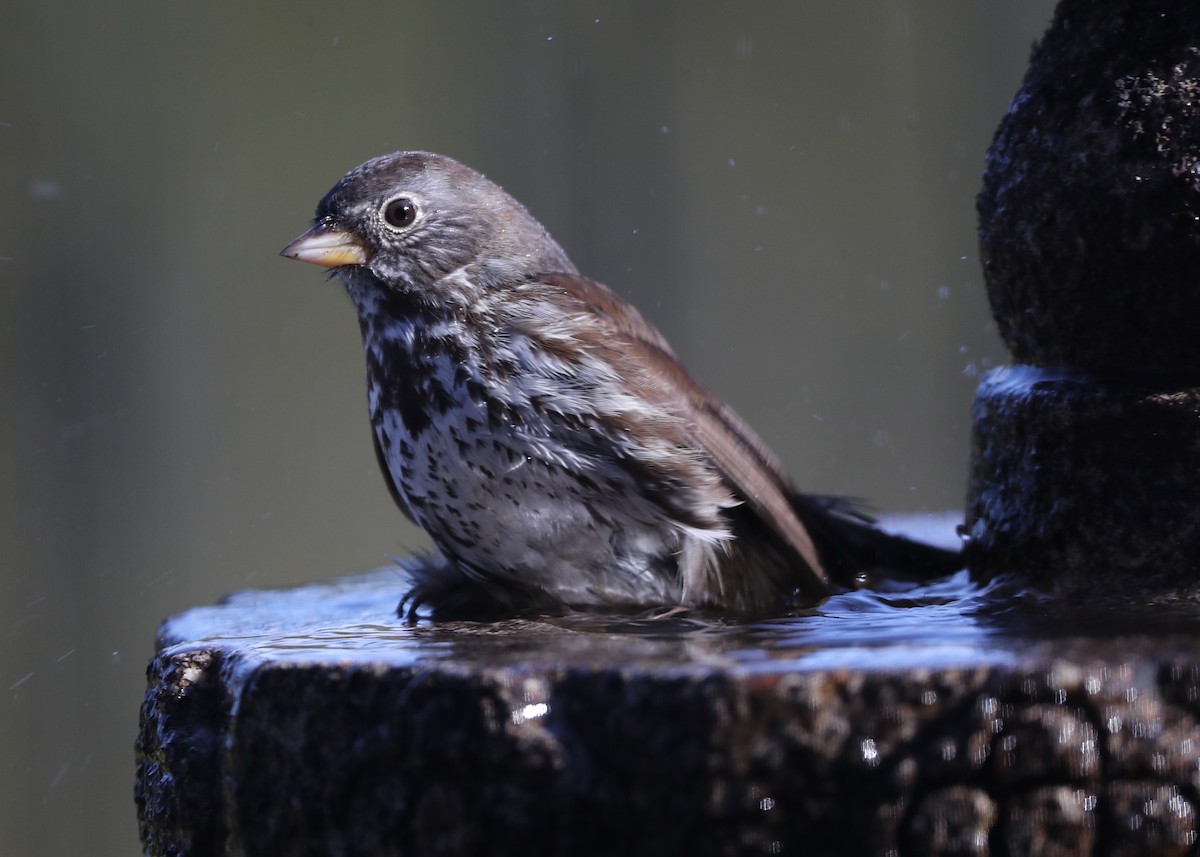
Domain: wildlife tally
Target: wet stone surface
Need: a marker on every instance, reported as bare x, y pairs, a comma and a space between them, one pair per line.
944, 719
1086, 485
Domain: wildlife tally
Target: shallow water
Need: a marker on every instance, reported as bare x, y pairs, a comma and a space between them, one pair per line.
951, 622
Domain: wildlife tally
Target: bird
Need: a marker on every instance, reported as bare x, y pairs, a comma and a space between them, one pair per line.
546, 436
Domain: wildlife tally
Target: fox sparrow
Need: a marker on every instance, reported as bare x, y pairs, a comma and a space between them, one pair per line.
544, 434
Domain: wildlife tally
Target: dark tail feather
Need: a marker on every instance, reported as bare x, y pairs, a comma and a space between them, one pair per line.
850, 543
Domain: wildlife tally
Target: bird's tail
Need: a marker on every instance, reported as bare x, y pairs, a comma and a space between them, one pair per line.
850, 543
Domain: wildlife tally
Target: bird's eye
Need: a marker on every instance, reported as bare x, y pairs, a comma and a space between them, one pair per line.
400, 212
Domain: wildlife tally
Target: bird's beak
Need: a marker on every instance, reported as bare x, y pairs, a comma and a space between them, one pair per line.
328, 247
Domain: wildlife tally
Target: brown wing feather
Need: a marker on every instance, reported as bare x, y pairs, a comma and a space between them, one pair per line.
743, 459
604, 303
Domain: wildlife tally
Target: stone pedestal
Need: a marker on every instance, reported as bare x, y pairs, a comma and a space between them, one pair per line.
315, 722
1086, 475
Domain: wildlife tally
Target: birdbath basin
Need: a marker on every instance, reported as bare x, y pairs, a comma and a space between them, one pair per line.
931, 717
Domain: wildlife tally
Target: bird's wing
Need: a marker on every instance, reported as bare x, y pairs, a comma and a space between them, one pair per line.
744, 461
747, 464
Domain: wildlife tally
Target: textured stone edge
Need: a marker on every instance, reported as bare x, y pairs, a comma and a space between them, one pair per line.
1087, 485
446, 760
181, 738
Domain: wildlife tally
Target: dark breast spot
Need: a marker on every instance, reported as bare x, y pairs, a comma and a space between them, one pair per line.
413, 414
440, 399
396, 382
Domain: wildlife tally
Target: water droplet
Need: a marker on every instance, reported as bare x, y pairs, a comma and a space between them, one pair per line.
45, 189
870, 753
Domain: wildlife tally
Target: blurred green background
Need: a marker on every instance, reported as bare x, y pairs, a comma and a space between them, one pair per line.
785, 188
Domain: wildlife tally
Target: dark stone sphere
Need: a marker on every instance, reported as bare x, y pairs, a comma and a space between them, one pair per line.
1089, 217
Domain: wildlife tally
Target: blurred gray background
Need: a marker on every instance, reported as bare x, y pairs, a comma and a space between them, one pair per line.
785, 188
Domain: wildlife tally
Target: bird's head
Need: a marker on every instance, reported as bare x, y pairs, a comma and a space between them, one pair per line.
412, 218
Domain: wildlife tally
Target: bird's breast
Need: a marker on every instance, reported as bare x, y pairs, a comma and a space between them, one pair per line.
503, 481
